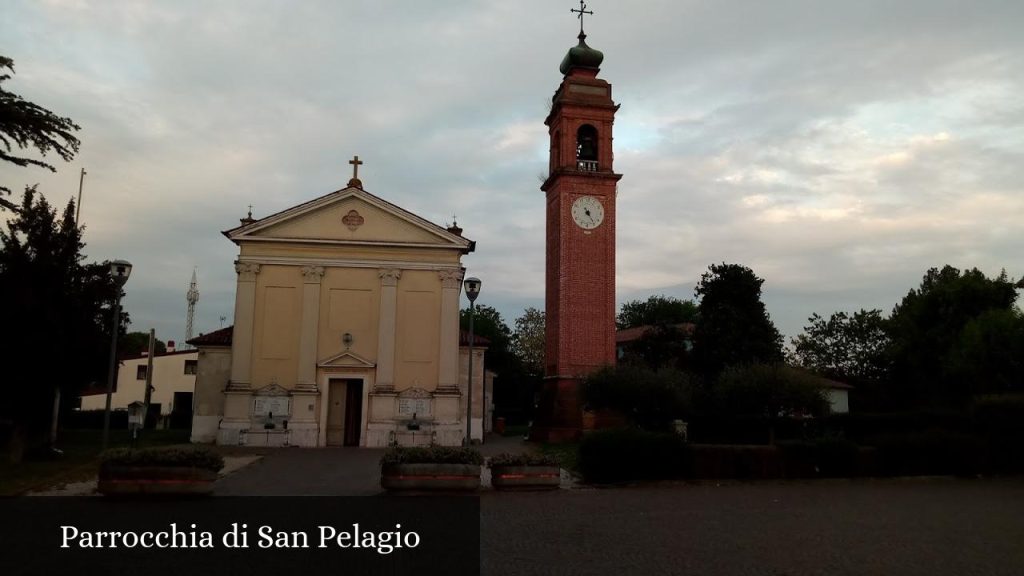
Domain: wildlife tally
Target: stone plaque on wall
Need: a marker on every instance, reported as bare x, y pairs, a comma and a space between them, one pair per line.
415, 401
267, 405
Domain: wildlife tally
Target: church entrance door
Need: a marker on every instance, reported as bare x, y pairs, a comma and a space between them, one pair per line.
344, 412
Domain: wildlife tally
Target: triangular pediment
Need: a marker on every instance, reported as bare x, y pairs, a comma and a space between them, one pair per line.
350, 216
346, 359
273, 389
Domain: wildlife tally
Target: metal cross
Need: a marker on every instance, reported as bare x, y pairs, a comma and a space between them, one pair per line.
355, 162
583, 10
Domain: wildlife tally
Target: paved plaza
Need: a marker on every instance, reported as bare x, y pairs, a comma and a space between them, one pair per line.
927, 526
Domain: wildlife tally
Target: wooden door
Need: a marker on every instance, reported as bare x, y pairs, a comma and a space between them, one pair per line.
336, 393
353, 411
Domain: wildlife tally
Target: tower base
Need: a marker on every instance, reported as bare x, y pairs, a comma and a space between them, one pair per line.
560, 417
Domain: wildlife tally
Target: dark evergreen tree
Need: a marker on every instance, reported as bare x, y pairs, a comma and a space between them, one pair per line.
56, 318
734, 327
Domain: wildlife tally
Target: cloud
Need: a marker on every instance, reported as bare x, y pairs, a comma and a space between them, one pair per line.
839, 150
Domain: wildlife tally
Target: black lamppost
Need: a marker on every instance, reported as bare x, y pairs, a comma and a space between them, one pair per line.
119, 271
472, 291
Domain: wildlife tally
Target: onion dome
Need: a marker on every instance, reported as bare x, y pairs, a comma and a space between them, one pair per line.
581, 56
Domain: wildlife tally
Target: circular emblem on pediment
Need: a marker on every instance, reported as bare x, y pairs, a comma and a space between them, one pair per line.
353, 220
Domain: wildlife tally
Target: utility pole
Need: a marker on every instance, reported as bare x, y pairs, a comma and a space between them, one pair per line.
78, 205
149, 376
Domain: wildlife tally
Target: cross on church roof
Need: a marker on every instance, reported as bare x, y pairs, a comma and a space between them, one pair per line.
355, 181
583, 10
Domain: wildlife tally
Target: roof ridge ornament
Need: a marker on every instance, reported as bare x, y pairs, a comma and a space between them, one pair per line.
583, 10
355, 182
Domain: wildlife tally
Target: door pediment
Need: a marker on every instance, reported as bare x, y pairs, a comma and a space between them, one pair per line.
346, 359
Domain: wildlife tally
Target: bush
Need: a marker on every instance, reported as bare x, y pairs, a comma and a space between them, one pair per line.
733, 461
929, 452
768, 390
202, 457
824, 457
649, 399
1000, 421
522, 459
630, 454
431, 455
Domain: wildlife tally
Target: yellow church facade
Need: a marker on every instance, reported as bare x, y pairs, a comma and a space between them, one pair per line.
346, 330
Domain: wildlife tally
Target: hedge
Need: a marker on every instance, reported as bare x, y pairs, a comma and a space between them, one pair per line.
431, 455
608, 456
202, 457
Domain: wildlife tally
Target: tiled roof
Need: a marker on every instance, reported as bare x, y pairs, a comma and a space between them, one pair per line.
631, 334
220, 337
478, 340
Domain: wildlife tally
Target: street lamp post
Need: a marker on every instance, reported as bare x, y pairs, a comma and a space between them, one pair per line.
119, 271
472, 291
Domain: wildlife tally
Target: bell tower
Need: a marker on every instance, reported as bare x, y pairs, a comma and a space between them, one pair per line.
580, 271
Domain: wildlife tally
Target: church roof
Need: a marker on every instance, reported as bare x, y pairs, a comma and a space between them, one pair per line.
429, 234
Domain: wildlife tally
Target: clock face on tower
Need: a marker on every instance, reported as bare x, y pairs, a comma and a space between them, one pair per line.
587, 212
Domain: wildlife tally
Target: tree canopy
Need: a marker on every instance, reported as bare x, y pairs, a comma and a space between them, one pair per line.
135, 343
528, 341
734, 327
25, 125
926, 328
656, 310
851, 348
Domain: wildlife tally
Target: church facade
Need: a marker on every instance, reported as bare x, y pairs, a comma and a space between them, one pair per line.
346, 330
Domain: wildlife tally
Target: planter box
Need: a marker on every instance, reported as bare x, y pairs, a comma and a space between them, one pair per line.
155, 480
526, 477
430, 477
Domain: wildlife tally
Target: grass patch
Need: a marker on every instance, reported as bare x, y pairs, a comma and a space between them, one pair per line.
518, 430
80, 459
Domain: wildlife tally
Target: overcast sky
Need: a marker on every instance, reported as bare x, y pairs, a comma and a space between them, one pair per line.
839, 149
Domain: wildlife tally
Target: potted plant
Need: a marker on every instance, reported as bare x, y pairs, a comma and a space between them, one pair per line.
163, 470
525, 471
430, 468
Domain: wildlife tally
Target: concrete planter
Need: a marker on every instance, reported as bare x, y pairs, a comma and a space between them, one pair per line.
525, 477
155, 480
430, 477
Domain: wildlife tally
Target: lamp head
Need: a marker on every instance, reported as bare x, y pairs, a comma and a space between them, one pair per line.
346, 339
120, 270
472, 288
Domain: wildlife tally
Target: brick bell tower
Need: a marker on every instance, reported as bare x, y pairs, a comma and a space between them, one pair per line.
580, 272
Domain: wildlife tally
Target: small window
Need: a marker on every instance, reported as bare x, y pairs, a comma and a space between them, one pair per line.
191, 367
140, 372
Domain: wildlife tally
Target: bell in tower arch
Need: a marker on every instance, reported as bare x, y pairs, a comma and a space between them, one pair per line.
586, 148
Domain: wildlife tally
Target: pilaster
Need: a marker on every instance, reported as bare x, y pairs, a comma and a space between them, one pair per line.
448, 363
241, 338
385, 381
306, 377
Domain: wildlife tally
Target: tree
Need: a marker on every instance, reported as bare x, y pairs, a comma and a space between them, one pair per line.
58, 318
528, 341
769, 390
27, 125
135, 343
734, 327
649, 399
850, 348
989, 355
499, 358
656, 310
926, 326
